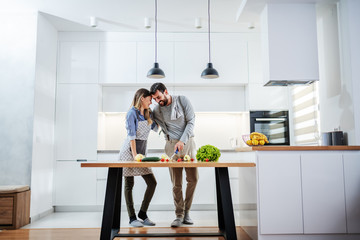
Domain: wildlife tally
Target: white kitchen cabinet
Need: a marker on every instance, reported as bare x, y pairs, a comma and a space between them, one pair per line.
146, 58
255, 61
78, 62
323, 193
76, 121
279, 197
74, 186
230, 59
191, 59
352, 191
117, 62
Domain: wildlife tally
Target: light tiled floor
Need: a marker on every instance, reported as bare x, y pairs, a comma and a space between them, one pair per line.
162, 219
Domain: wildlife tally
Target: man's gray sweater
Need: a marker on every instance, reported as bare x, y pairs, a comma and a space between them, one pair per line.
177, 119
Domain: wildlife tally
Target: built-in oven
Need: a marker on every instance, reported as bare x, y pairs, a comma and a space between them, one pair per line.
274, 124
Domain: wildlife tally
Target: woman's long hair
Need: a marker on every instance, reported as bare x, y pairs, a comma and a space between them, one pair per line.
142, 92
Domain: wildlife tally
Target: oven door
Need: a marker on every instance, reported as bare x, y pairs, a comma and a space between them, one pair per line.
276, 129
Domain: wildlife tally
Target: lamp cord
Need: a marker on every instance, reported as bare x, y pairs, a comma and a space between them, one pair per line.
155, 30
209, 29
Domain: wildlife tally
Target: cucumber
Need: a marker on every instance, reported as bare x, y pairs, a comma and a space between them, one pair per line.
150, 159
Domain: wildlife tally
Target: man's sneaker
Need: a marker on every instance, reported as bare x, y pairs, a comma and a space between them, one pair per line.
136, 223
148, 222
176, 223
187, 219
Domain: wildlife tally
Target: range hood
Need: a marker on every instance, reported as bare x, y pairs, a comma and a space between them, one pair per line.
283, 83
289, 44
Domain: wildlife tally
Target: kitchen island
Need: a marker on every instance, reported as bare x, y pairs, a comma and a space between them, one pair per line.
111, 215
308, 192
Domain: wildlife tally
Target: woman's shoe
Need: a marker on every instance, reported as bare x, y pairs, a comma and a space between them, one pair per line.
148, 222
136, 223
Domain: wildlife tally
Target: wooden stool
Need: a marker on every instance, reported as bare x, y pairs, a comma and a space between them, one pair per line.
14, 206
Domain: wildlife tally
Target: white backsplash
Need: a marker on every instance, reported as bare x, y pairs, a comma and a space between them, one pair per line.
221, 129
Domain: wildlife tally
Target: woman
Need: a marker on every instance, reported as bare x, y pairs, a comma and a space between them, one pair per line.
138, 126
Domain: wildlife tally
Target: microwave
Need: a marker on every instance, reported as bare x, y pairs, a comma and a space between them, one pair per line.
274, 124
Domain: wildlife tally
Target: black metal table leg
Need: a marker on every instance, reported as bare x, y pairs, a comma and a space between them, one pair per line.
112, 206
225, 207
219, 204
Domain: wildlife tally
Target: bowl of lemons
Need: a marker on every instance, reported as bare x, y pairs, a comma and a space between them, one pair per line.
255, 139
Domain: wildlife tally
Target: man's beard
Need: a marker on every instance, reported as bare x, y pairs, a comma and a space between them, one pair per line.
164, 102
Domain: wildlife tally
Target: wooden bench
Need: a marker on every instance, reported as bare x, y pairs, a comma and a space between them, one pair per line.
14, 206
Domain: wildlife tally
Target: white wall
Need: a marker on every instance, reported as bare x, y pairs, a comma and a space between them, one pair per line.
17, 76
44, 117
338, 36
334, 96
349, 18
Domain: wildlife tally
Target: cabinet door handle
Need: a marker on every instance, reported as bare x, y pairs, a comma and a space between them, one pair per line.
81, 160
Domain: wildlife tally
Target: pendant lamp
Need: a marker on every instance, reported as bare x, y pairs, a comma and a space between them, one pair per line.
209, 71
156, 72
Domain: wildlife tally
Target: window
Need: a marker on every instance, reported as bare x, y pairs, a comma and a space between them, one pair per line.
306, 117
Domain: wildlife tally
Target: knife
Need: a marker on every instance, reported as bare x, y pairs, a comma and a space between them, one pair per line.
176, 152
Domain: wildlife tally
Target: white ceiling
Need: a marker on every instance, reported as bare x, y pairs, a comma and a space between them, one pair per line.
128, 15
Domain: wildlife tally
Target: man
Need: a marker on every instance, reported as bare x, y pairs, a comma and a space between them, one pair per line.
176, 117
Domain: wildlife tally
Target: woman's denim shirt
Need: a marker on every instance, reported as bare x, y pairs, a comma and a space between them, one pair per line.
133, 117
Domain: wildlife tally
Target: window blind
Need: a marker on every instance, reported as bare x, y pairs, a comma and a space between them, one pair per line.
305, 105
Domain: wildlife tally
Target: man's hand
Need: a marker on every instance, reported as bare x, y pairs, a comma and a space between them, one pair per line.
179, 145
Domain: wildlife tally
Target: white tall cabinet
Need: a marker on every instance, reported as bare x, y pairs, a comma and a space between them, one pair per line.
77, 105
78, 62
76, 121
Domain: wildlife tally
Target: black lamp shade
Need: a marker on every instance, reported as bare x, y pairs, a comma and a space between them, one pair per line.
156, 72
210, 72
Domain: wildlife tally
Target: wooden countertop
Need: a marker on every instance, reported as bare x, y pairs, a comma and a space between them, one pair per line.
306, 148
118, 164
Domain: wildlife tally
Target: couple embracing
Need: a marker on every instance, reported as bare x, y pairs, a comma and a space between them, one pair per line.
176, 117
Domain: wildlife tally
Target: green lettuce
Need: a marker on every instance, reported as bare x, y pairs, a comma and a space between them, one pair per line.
208, 152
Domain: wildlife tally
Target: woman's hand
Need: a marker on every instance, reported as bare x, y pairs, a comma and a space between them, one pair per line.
133, 148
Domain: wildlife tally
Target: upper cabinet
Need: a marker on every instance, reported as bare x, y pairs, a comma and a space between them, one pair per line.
146, 58
190, 60
126, 60
76, 121
229, 58
78, 62
117, 62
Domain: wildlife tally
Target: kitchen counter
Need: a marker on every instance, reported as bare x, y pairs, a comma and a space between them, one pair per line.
305, 148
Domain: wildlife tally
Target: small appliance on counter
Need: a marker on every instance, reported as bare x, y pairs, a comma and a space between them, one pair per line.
333, 138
